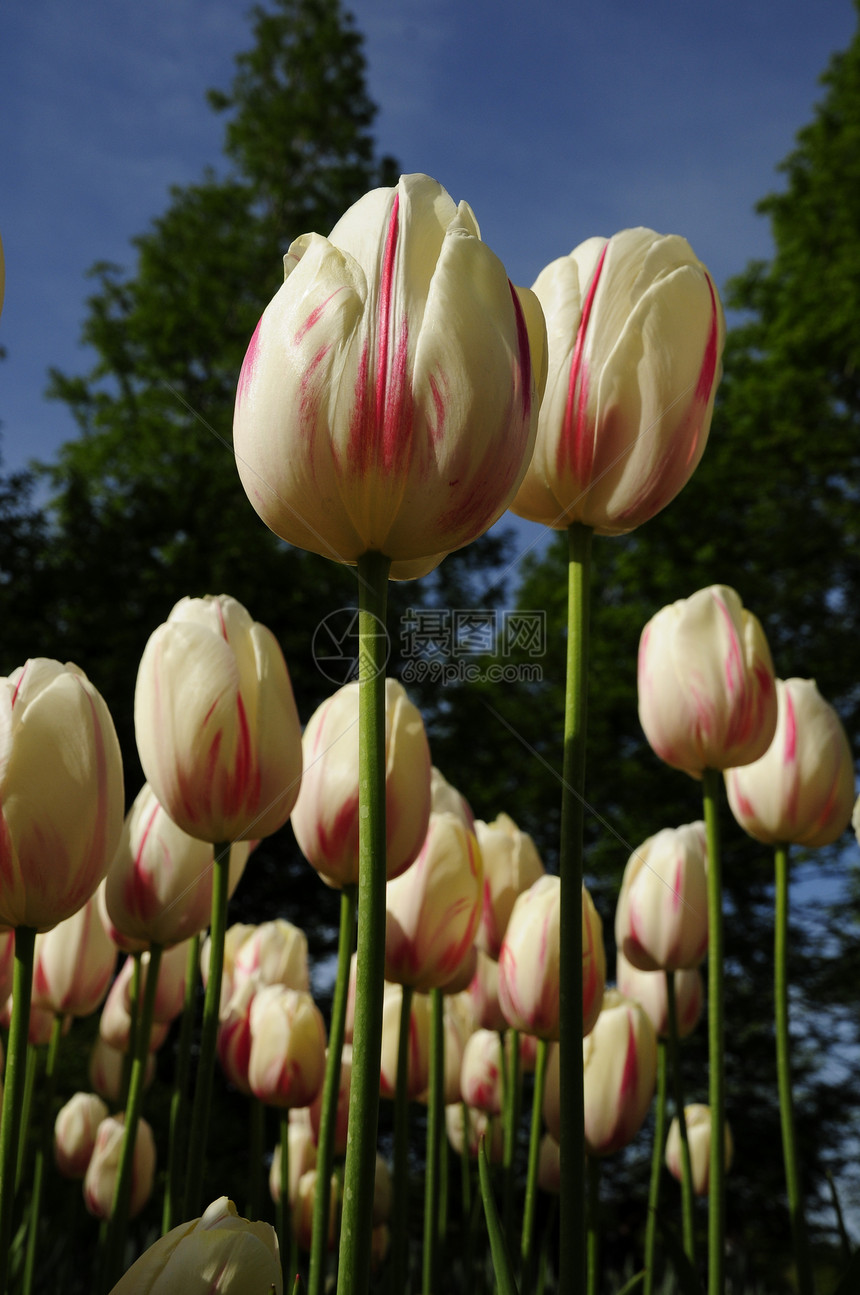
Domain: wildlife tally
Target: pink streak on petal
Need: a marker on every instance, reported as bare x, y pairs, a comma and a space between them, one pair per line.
575, 452
248, 364
314, 317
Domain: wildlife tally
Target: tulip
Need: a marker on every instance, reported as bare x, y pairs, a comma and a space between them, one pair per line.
216, 723
74, 963
511, 866
418, 1072
707, 696
234, 1034
325, 819
302, 1211
661, 920
103, 1168
457, 1029
342, 1118
7, 963
302, 1157
75, 1131
698, 1121
107, 1070
234, 937
620, 1074
463, 976
170, 990
288, 1045
482, 1072
388, 398
481, 1127
635, 333
445, 797
650, 990
483, 994
61, 793
549, 1165
801, 791
432, 910
159, 886
276, 953
219, 1254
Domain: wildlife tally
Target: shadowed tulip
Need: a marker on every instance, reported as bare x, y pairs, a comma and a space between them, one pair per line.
649, 989
511, 865
482, 1072
698, 1121
103, 1168
74, 963
75, 1131
661, 919
620, 1074
288, 1045
418, 1056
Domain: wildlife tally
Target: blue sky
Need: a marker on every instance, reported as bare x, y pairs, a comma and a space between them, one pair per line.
556, 121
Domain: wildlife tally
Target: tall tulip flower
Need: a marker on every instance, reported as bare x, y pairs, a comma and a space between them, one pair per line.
801, 791
620, 1073
388, 399
74, 964
707, 694
698, 1121
661, 920
75, 1130
635, 333
216, 723
288, 1043
325, 819
511, 865
104, 1164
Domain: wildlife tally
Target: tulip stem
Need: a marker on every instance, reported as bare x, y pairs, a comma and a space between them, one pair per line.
593, 1214
42, 1153
680, 1113
435, 1118
26, 1107
179, 1100
13, 1092
572, 1258
282, 1210
513, 1103
527, 1245
359, 1171
783, 1064
656, 1168
400, 1203
716, 1062
331, 1091
208, 1035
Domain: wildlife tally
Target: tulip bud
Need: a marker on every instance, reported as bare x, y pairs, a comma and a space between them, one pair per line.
511, 866
698, 1121
75, 1131
445, 797
482, 1072
108, 1070
229, 1254
549, 1165
301, 1159
170, 992
288, 1044
620, 1073
159, 886
276, 953
61, 793
388, 399
483, 995
650, 990
661, 920
432, 910
707, 697
103, 1168
115, 1019
216, 723
302, 1214
325, 819
418, 1058
458, 1027
7, 963
800, 792
635, 336
233, 940
73, 964
234, 1034
479, 1126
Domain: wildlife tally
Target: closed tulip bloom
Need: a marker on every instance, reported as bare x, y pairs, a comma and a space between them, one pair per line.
276, 953
698, 1121
170, 992
216, 723
418, 1054
661, 919
288, 1045
302, 1158
593, 963
61, 793
635, 333
620, 1073
801, 791
234, 1033
103, 1168
217, 1254
483, 995
7, 963
108, 1069
549, 1165
115, 1021
74, 963
159, 886
234, 938
388, 399
432, 910
462, 977
511, 865
480, 1126
445, 797
325, 819
302, 1212
482, 1072
458, 1028
75, 1131
649, 988
707, 696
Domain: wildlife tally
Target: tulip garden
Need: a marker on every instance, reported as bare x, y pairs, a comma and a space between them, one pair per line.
398, 395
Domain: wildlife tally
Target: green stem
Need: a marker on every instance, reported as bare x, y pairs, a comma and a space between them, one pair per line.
466, 1193
13, 1092
527, 1245
687, 1195
716, 1062
656, 1168
435, 1117
133, 1018
179, 1100
513, 1096
29, 1082
593, 1214
400, 1204
572, 1203
783, 1066
122, 1186
256, 1152
360, 1168
331, 1090
42, 1153
282, 1212
208, 1036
